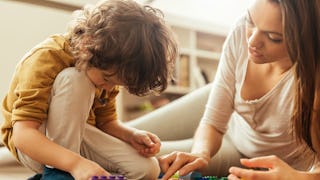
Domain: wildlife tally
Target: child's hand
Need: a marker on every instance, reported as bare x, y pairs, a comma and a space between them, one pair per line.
146, 143
84, 169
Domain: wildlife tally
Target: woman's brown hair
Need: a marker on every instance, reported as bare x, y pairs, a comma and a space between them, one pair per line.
302, 35
130, 39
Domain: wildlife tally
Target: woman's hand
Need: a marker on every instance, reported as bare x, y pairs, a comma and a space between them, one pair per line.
182, 162
146, 143
84, 169
275, 169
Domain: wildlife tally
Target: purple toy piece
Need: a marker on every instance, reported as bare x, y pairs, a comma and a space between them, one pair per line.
94, 178
103, 177
121, 177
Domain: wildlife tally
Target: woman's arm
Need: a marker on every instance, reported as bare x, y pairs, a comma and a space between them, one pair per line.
207, 141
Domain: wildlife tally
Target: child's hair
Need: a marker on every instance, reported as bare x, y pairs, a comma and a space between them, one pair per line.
130, 39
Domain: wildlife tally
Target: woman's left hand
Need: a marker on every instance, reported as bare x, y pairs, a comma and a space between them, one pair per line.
275, 169
146, 143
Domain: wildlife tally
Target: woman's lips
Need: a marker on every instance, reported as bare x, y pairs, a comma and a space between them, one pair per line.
254, 52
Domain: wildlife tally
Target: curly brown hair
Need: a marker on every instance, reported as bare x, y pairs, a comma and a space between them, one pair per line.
130, 39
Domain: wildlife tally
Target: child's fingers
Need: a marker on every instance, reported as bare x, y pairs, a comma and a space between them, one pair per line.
150, 151
151, 141
155, 139
147, 141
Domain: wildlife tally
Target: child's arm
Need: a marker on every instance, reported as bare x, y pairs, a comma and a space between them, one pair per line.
33, 143
146, 143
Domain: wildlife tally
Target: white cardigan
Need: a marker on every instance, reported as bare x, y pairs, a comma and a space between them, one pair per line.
257, 127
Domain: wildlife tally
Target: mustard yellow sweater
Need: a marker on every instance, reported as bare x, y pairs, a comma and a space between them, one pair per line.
28, 96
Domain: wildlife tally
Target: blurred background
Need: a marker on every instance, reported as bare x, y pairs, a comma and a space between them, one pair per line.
200, 25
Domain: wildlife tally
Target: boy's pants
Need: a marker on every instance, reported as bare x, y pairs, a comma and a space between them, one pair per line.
72, 97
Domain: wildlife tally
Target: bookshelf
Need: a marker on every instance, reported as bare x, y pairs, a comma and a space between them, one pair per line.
199, 53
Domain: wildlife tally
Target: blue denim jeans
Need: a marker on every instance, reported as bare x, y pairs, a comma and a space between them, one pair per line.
55, 174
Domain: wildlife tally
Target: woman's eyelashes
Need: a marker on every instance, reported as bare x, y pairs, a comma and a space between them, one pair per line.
271, 36
274, 38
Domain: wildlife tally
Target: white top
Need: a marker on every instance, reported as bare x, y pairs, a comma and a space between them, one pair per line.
257, 127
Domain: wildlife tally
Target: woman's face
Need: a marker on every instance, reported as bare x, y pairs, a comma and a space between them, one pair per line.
265, 33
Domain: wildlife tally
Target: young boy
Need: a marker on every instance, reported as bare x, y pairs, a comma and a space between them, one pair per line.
60, 115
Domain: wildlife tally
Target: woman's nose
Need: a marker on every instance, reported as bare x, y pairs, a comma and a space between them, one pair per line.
255, 39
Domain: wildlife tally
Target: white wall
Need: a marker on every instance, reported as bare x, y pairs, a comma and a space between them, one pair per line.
22, 27
214, 16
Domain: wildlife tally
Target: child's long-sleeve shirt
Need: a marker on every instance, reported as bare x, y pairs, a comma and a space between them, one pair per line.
28, 96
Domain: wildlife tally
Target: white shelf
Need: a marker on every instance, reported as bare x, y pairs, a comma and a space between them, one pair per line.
201, 53
208, 55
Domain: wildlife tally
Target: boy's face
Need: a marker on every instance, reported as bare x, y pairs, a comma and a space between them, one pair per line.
102, 79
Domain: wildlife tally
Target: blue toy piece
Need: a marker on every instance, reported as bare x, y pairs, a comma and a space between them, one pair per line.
191, 176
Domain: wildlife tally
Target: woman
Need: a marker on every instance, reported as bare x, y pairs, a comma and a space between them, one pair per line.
266, 89
301, 24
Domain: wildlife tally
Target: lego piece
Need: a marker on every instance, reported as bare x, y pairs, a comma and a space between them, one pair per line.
103, 177
121, 177
111, 177
191, 176
95, 178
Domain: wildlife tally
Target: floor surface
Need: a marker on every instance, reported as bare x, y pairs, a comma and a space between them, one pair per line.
10, 169
14, 172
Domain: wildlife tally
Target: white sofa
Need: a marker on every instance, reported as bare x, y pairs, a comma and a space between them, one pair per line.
176, 122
